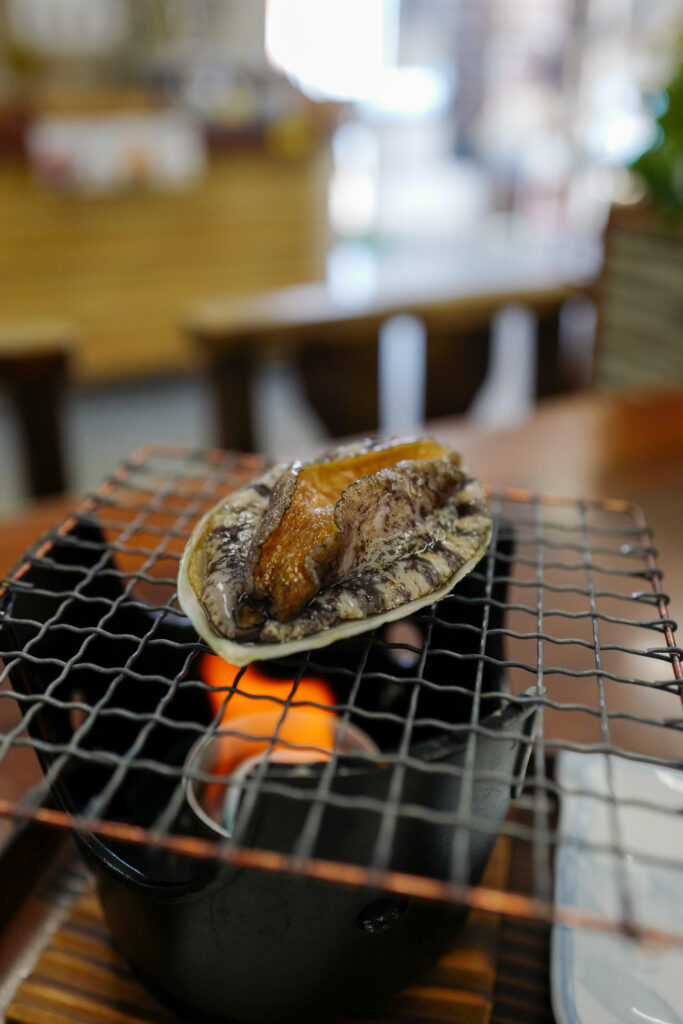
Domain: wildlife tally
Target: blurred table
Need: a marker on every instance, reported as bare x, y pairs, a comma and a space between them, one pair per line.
594, 446
329, 328
591, 445
333, 339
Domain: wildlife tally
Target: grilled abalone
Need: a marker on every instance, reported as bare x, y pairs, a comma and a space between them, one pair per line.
312, 552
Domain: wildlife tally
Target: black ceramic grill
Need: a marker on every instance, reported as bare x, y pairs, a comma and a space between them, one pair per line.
360, 851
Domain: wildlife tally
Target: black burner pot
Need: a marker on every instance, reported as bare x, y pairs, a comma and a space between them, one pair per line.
254, 946
218, 942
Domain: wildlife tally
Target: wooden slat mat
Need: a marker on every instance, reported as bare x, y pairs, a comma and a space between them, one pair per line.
522, 989
81, 978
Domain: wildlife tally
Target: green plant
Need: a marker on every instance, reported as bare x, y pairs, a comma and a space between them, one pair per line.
661, 167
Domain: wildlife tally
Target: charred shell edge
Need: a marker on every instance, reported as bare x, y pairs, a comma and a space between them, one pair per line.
243, 654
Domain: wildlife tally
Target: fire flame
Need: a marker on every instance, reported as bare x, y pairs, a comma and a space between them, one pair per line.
254, 708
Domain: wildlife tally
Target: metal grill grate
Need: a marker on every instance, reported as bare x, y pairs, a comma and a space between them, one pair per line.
560, 641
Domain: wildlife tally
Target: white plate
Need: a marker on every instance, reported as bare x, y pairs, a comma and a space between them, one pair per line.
601, 978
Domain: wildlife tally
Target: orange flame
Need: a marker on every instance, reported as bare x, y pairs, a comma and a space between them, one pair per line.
254, 707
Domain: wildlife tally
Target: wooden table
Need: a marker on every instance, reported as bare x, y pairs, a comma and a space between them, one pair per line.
585, 445
595, 446
329, 327
334, 342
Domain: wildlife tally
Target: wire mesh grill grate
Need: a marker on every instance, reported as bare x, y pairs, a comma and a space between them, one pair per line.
558, 646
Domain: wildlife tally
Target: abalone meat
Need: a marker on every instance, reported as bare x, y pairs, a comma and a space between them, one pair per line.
312, 552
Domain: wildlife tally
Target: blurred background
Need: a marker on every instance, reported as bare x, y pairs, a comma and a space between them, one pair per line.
267, 223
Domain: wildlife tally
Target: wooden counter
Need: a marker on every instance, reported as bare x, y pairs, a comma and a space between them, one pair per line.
124, 268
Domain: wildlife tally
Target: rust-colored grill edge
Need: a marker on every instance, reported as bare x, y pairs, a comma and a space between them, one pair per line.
493, 901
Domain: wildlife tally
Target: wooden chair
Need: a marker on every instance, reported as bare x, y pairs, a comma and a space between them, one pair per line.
640, 303
34, 368
334, 348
